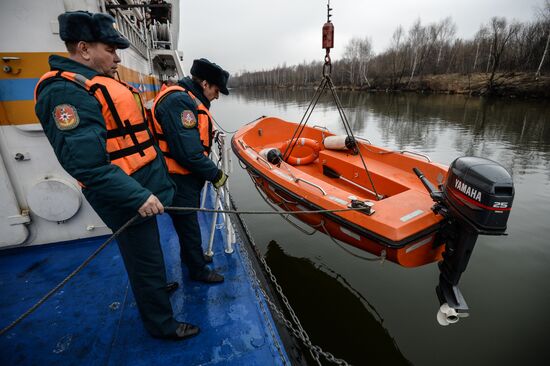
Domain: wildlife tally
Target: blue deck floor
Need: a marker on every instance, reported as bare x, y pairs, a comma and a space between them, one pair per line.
93, 320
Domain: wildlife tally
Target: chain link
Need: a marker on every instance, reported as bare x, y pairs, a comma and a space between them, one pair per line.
295, 328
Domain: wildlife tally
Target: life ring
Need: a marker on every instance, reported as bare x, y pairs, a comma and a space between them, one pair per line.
303, 160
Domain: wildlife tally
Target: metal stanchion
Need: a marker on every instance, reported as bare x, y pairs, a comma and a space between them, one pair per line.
230, 233
209, 251
221, 200
204, 192
226, 164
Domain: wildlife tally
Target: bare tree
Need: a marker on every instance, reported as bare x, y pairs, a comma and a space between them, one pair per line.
351, 56
544, 14
447, 30
359, 52
501, 33
497, 48
395, 52
365, 55
417, 41
480, 37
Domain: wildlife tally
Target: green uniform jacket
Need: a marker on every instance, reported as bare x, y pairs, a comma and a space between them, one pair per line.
81, 151
184, 143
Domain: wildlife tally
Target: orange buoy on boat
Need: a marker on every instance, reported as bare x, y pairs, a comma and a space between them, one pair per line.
296, 146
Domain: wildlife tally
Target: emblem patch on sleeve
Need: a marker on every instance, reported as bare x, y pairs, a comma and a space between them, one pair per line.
66, 117
188, 119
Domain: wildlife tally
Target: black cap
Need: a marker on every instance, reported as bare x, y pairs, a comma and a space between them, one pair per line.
209, 71
77, 26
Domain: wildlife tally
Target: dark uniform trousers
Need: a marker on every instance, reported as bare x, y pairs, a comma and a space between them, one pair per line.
140, 247
186, 223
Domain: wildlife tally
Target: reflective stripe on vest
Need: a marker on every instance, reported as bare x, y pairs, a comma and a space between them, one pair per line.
204, 127
129, 141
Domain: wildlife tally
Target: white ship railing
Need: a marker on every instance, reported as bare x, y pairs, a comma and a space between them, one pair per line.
149, 36
222, 199
135, 35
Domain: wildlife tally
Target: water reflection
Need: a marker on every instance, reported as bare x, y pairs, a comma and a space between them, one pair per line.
328, 307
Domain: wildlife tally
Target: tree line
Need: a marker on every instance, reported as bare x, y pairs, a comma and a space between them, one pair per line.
499, 49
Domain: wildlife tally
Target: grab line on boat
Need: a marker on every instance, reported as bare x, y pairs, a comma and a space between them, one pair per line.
381, 258
286, 216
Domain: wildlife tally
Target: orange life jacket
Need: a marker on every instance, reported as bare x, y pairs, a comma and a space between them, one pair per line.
204, 125
129, 142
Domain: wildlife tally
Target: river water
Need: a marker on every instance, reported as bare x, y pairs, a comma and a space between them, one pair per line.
382, 314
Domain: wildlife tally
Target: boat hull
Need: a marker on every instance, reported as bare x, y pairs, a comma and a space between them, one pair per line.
412, 238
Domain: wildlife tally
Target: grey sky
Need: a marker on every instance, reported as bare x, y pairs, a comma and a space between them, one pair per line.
258, 34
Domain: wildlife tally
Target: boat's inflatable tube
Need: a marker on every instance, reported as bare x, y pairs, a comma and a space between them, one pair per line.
303, 141
339, 142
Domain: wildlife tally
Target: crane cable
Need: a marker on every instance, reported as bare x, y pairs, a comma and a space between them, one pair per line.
326, 81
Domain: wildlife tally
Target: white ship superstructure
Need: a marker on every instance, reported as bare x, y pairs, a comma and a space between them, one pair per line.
40, 202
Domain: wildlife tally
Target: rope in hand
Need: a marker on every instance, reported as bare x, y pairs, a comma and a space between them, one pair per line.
130, 222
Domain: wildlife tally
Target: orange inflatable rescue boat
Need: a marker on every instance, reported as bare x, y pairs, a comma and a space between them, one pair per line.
401, 215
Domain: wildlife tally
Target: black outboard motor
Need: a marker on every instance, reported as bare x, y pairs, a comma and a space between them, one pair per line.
475, 199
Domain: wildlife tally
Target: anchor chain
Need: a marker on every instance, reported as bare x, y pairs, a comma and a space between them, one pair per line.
295, 328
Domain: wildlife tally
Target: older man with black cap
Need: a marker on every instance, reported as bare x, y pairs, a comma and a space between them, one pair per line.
97, 129
183, 127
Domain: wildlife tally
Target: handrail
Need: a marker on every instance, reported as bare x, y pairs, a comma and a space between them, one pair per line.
260, 158
312, 184
395, 151
364, 139
131, 32
244, 146
321, 128
415, 153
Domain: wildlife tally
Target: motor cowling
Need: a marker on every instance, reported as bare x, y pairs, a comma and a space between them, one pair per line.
480, 192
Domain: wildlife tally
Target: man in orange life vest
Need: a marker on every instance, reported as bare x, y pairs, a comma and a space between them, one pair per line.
98, 131
183, 128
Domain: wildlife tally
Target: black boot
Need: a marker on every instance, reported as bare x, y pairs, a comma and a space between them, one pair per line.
171, 287
208, 276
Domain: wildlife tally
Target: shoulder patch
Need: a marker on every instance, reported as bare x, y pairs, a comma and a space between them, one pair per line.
66, 117
188, 119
